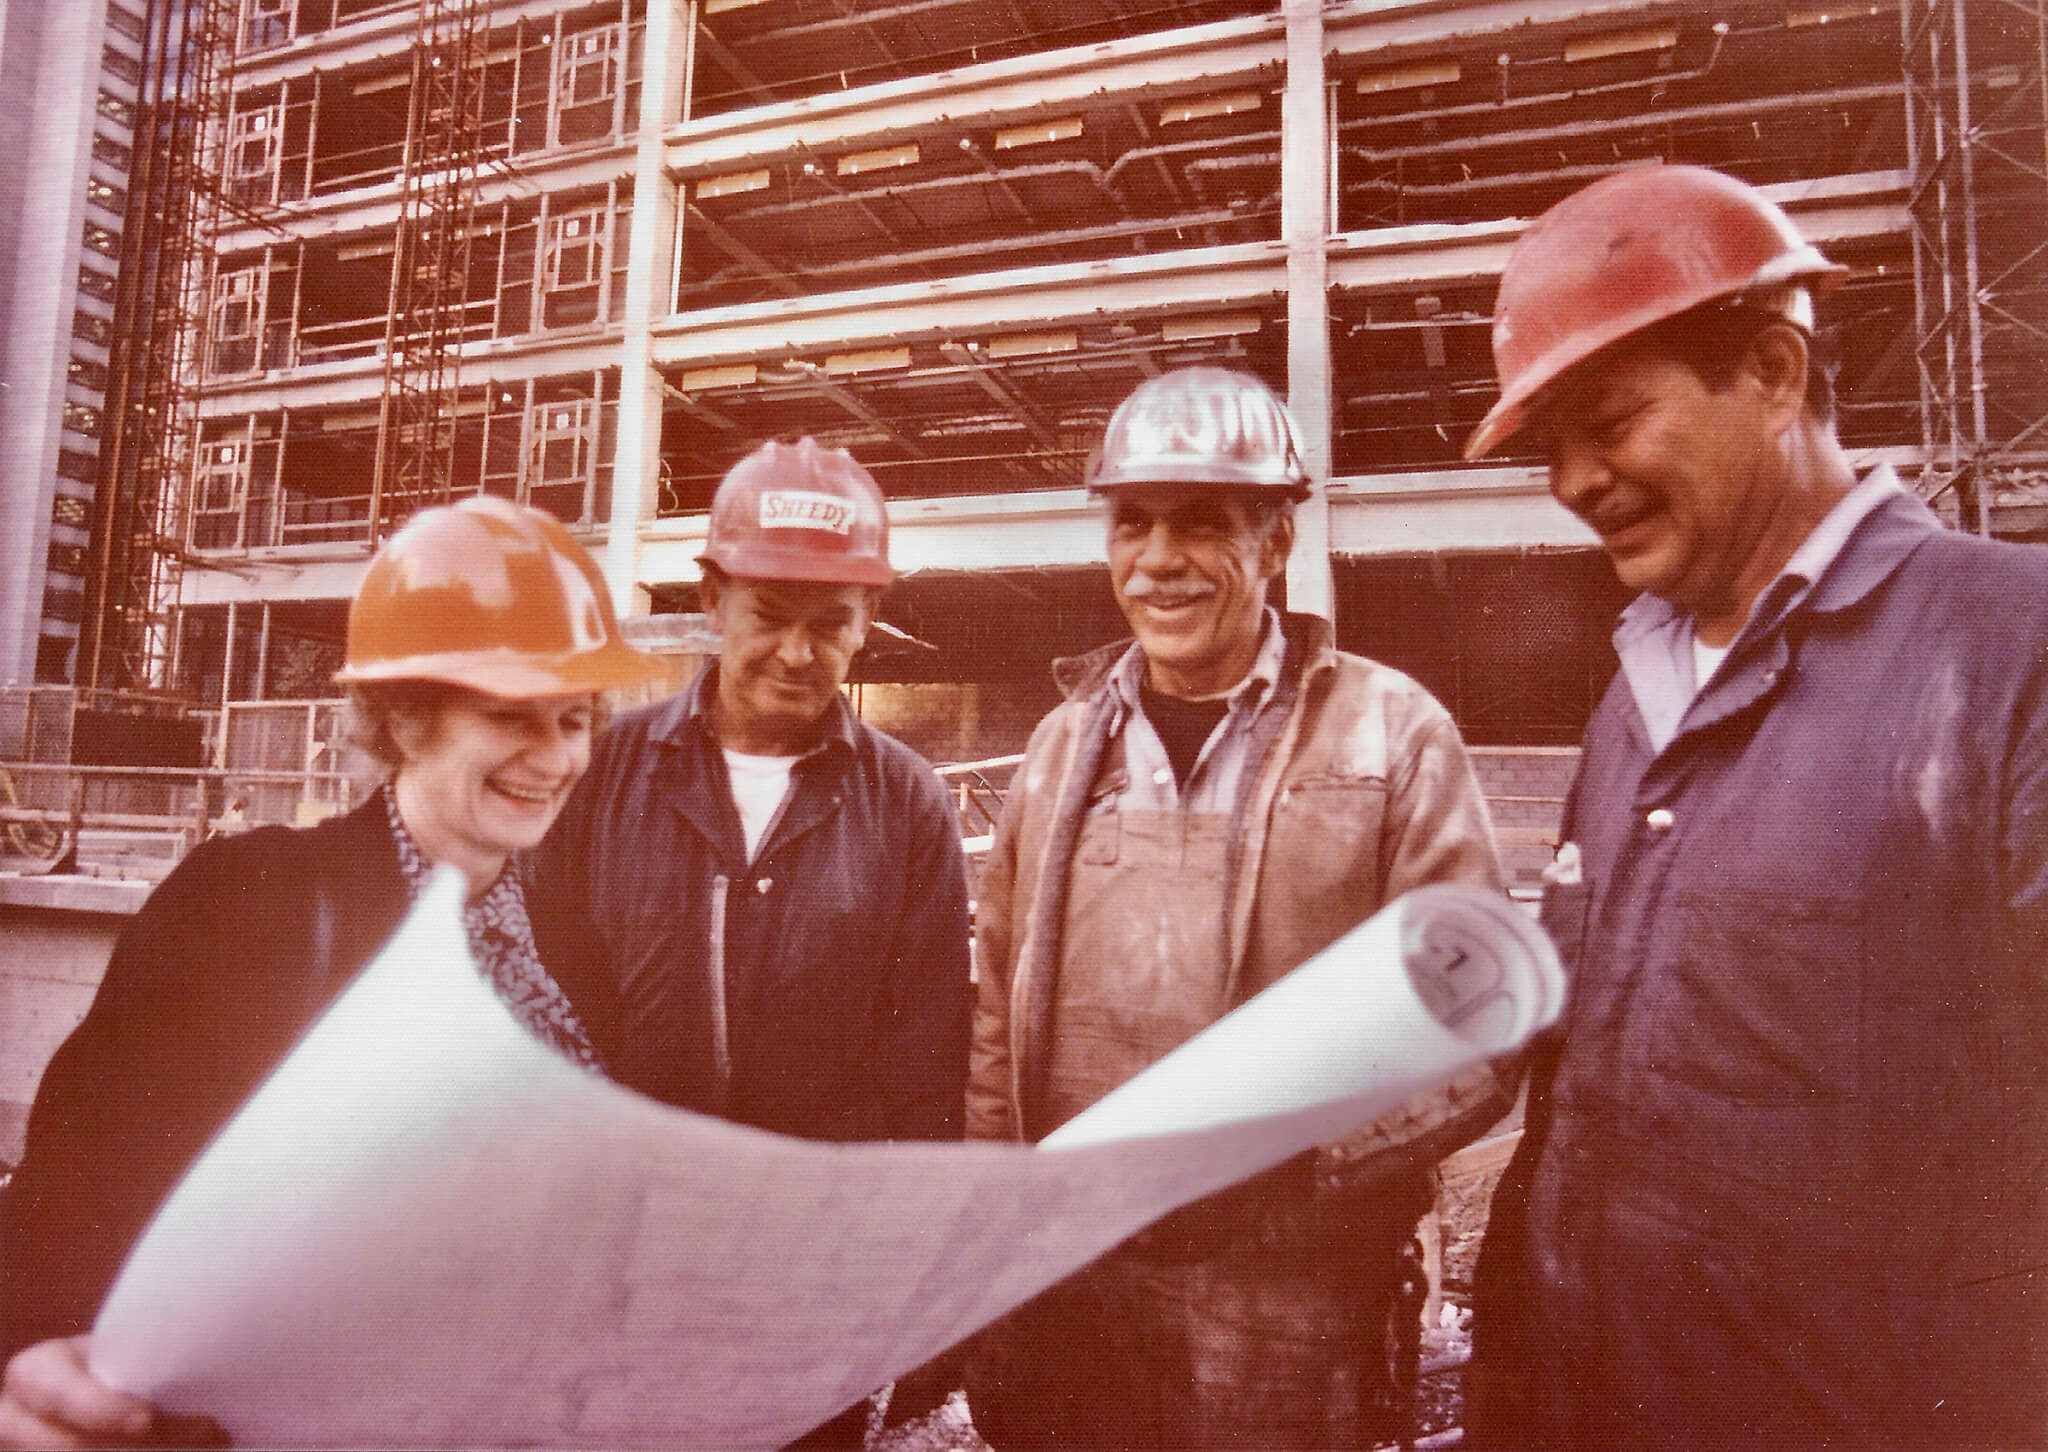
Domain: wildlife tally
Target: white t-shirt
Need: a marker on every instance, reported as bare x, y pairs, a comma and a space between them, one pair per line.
1706, 659
759, 783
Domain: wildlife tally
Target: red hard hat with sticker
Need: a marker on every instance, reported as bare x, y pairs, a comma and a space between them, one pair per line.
800, 511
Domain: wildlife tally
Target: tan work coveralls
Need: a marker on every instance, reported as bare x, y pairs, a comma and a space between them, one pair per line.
1257, 1317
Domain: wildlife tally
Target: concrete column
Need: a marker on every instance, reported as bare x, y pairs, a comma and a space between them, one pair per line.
636, 467
1305, 176
49, 61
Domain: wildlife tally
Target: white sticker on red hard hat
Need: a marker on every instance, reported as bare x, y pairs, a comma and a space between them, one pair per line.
805, 509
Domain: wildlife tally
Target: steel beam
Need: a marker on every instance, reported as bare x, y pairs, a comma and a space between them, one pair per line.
373, 210
1447, 510
1373, 27
1192, 58
636, 470
1306, 173
1209, 278
1868, 204
325, 385
354, 42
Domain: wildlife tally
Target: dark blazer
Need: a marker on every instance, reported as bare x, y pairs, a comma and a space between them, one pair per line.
210, 985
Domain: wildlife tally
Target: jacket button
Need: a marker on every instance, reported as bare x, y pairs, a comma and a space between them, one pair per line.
763, 885
1659, 820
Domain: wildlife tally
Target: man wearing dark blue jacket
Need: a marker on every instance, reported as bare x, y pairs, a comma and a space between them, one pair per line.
1785, 1176
772, 891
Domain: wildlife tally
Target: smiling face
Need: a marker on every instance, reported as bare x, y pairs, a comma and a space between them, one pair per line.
789, 646
1190, 565
1683, 481
483, 778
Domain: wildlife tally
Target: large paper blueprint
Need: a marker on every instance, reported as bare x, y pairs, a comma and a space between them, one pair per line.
428, 1230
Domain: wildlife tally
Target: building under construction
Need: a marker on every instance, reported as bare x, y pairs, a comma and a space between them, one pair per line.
277, 273
380, 253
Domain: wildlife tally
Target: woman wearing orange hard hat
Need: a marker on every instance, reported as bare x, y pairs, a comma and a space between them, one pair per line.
479, 645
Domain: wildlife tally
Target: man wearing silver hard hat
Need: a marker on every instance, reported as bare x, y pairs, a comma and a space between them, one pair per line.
1785, 1176
1216, 800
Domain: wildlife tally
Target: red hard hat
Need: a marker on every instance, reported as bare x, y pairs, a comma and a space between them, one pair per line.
493, 596
1200, 425
1630, 250
800, 511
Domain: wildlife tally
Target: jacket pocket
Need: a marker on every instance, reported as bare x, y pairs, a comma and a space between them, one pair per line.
1100, 837
1563, 915
1324, 848
1761, 1003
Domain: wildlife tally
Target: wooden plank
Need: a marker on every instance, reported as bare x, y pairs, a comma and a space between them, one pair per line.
1481, 1156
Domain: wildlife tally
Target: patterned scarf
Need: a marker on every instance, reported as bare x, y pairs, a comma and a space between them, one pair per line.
501, 939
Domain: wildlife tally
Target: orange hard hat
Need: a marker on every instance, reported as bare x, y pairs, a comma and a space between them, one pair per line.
1200, 425
493, 596
800, 511
1633, 249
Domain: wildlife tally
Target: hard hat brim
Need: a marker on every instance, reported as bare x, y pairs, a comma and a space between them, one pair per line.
518, 676
1194, 476
760, 560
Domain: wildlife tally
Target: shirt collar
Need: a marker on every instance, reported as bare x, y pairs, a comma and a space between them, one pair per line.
418, 871
1822, 551
1837, 560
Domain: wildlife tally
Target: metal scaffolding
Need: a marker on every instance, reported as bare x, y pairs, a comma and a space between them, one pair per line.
1977, 115
152, 419
430, 264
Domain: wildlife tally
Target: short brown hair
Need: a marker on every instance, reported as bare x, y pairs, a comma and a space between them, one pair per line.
1710, 339
374, 705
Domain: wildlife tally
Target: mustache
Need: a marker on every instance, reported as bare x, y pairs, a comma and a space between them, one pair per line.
1611, 512
1146, 591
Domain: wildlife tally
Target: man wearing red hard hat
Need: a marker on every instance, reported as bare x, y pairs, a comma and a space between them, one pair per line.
774, 889
1784, 1181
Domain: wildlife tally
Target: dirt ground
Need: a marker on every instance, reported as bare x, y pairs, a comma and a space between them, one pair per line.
1439, 1402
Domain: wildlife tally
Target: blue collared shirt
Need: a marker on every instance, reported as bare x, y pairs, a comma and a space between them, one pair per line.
1654, 638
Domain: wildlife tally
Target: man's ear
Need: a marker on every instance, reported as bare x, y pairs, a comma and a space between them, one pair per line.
1278, 546
871, 605
1777, 361
710, 589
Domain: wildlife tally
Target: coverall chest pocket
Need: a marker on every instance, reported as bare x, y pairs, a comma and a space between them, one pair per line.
1325, 843
1760, 1001
1099, 838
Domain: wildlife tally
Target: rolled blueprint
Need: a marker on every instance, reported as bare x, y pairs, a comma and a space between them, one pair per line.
1446, 974
429, 1230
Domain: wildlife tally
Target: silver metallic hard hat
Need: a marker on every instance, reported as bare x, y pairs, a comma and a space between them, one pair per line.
1201, 425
